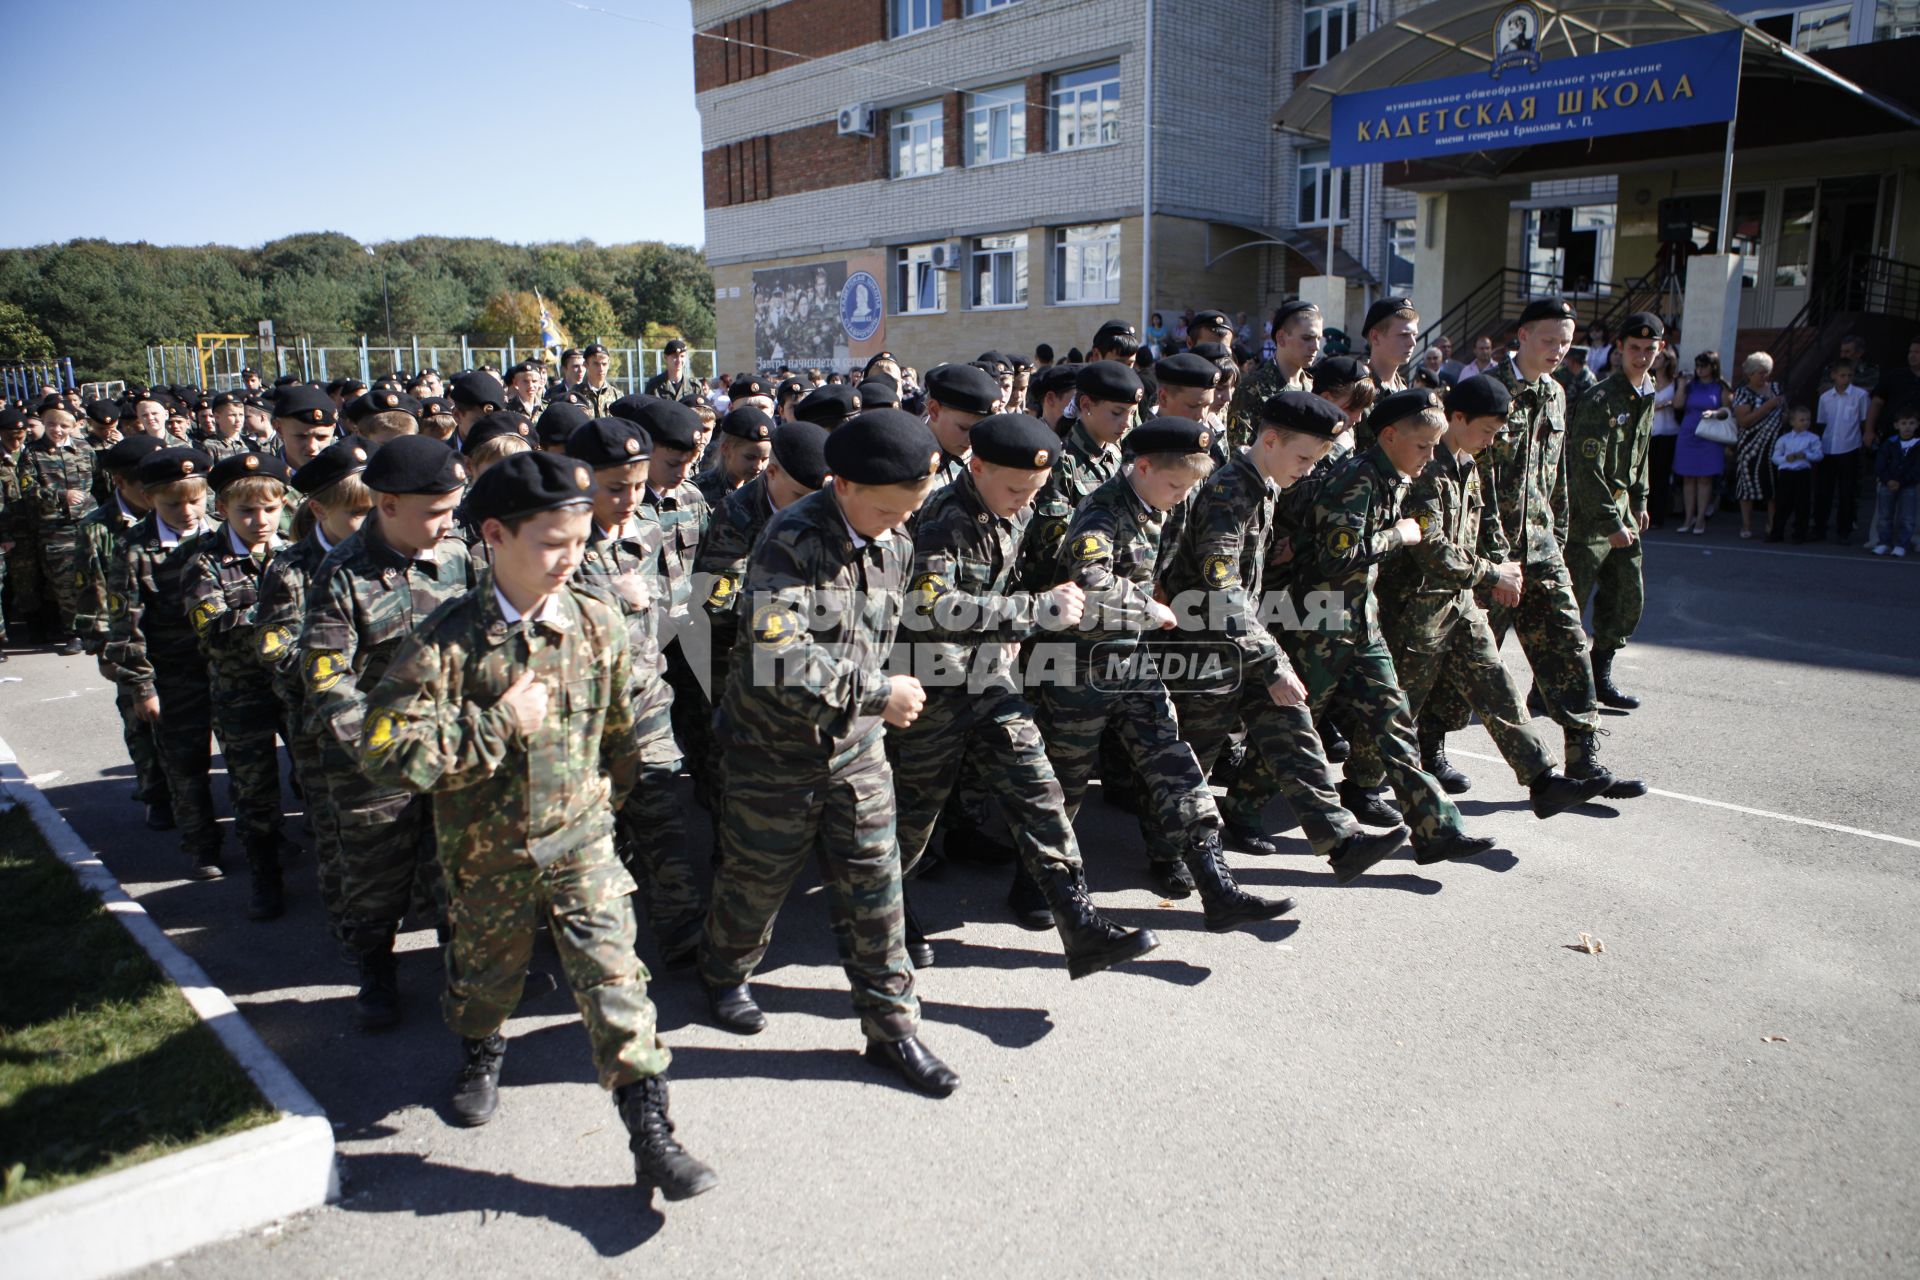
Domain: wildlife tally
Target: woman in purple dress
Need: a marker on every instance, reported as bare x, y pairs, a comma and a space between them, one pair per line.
1698, 462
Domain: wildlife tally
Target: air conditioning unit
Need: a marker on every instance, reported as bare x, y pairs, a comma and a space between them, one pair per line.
858, 120
946, 257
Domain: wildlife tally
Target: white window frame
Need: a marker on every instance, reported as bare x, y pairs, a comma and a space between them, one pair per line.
910, 17
924, 135
911, 264
1314, 51
987, 248
974, 8
1071, 264
1329, 183
1062, 100
980, 113
1400, 234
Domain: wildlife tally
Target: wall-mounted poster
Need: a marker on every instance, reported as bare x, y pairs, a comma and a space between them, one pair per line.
824, 315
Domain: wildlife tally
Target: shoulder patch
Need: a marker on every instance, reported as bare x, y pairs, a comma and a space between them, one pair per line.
776, 625
927, 588
380, 731
1424, 520
204, 613
1092, 546
722, 591
275, 640
1340, 540
1590, 448
324, 670
1220, 571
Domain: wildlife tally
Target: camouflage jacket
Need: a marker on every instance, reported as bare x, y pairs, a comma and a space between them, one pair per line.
1574, 384
732, 533
290, 513
1523, 467
217, 447
435, 724
714, 485
1221, 559
1424, 590
1345, 535
1266, 382
963, 562
147, 623
624, 569
1081, 466
278, 618
952, 467
682, 518
809, 672
103, 540
597, 401
1112, 551
223, 593
13, 516
366, 600
1609, 434
47, 477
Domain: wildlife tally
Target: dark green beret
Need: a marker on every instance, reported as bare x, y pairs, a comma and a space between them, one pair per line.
344, 457
529, 483
416, 464
609, 442
241, 465
886, 446
1014, 440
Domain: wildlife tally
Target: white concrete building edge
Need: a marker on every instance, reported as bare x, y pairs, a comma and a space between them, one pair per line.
140, 1215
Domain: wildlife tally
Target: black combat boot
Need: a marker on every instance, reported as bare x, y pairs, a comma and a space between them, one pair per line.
915, 1063
266, 898
1091, 941
1224, 903
966, 842
160, 815
1172, 879
1369, 805
1249, 839
1448, 846
1553, 793
1583, 761
208, 865
734, 1009
1361, 850
919, 950
1333, 743
476, 1089
1603, 685
658, 1159
1433, 758
1026, 901
378, 1001
1227, 768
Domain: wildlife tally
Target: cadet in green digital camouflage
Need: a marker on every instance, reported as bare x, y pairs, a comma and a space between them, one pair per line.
56, 482
304, 418
372, 591
1106, 393
801, 724
1296, 345
963, 639
746, 442
516, 721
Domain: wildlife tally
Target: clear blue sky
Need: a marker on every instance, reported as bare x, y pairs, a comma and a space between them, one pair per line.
381, 119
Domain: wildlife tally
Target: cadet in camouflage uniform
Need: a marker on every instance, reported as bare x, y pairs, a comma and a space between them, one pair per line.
371, 593
1106, 394
17, 593
222, 586
746, 436
303, 422
57, 489
801, 723
963, 634
1296, 346
229, 415
151, 646
1609, 433
597, 395
958, 395
510, 709
103, 432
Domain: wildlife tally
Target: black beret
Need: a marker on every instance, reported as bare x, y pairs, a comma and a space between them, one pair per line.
49, 402
1402, 405
474, 389
559, 420
750, 384
876, 358
879, 393
1642, 324
629, 407
381, 401
529, 483
1114, 329
103, 411
791, 387
1338, 372
125, 454
1384, 310
224, 399
164, 466
963, 387
1014, 440
344, 457
668, 423
525, 366
303, 403
887, 446
286, 380
1187, 370
673, 345
1578, 353
1109, 380
1304, 412
1056, 380
747, 423
609, 442
1291, 308
592, 349
241, 465
800, 449
257, 402
830, 405
1169, 435
1547, 309
415, 464
1211, 320
994, 362
431, 405
11, 419
1214, 351
1480, 396
491, 426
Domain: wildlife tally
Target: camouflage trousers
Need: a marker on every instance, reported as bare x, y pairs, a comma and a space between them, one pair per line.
63, 571
778, 810
693, 725
1548, 624
992, 741
1284, 741
246, 715
387, 865
323, 823
184, 734
498, 898
143, 744
22, 581
652, 832
1357, 676
1464, 647
1611, 578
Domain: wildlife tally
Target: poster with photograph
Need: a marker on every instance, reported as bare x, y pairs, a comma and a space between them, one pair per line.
796, 316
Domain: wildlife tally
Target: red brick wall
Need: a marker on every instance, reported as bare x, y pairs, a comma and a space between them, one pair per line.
806, 28
1036, 114
783, 164
953, 129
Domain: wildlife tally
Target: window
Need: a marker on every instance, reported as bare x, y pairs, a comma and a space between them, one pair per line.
1896, 19
1330, 26
985, 6
918, 289
1319, 183
996, 124
1086, 263
1086, 107
918, 141
1400, 249
905, 17
999, 272
1814, 27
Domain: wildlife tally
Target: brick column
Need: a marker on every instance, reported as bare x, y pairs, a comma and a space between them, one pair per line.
1036, 114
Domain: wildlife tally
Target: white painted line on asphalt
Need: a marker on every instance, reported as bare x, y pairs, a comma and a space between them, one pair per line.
1838, 553
1740, 808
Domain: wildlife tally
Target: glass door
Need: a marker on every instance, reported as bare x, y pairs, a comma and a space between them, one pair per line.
1791, 268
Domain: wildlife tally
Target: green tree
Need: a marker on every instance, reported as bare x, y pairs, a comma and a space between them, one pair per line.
510, 313
20, 337
587, 315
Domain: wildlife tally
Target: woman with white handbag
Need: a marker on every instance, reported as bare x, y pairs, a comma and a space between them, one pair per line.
1706, 429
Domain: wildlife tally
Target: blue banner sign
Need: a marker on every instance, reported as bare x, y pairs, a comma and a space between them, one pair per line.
1656, 86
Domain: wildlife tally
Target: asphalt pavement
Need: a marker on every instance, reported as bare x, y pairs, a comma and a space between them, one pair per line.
1420, 1074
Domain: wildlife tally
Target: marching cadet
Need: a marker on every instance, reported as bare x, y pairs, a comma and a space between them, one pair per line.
1609, 433
336, 501
372, 592
1184, 389
1355, 523
1052, 394
1220, 558
222, 586
57, 490
1297, 335
526, 384
1430, 619
964, 637
801, 723
151, 645
958, 395
510, 710
623, 560
229, 415
746, 442
103, 432
19, 576
1391, 330
103, 540
1106, 396
1110, 552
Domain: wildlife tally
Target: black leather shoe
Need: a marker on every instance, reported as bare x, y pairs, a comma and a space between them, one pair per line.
1370, 806
1172, 879
733, 1009
160, 817
1363, 849
1553, 793
476, 1090
1090, 940
919, 949
1249, 840
915, 1063
1445, 848
1028, 904
1583, 761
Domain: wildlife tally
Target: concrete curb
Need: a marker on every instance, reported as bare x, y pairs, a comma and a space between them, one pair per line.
141, 1215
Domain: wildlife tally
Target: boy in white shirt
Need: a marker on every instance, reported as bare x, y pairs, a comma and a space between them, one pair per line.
1795, 455
1842, 414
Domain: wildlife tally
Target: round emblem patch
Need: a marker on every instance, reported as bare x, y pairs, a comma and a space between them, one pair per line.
1040, 457
583, 478
775, 625
1590, 448
1219, 571
1091, 546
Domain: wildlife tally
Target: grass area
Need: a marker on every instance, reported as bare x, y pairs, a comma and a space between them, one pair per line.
102, 1062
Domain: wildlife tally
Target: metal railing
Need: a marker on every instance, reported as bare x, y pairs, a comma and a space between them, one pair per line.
1489, 306
24, 379
318, 360
1881, 286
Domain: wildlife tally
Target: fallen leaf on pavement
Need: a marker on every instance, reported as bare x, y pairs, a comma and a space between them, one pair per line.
1591, 945
1773, 1040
